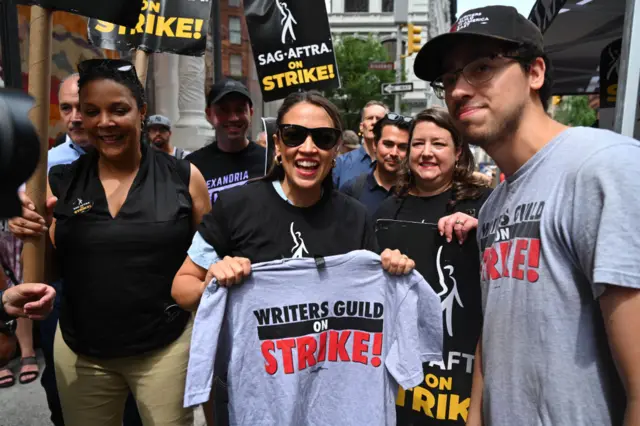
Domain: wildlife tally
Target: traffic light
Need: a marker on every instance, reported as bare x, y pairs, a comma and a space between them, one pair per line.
414, 38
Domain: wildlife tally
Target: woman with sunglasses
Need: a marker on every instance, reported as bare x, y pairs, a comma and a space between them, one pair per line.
436, 185
123, 220
294, 211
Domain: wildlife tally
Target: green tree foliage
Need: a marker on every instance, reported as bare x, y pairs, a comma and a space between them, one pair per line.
359, 84
575, 111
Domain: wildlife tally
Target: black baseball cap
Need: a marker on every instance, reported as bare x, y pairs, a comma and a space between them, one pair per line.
502, 23
225, 87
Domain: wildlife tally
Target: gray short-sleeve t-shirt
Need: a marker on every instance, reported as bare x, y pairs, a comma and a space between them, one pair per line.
302, 345
552, 236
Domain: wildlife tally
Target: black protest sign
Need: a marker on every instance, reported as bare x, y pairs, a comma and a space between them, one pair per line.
609, 66
121, 12
292, 46
453, 271
171, 26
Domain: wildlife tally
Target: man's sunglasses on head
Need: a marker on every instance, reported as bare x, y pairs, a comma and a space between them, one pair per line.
397, 118
118, 65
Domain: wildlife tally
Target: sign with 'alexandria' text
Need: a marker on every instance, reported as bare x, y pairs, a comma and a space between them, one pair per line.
292, 46
170, 26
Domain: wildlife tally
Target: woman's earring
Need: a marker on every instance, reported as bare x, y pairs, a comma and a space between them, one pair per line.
333, 163
279, 160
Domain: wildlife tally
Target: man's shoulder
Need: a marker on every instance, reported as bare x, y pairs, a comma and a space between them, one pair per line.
202, 153
350, 156
582, 144
254, 148
61, 154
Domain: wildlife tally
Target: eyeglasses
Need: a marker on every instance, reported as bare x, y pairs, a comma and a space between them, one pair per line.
397, 118
119, 65
475, 73
293, 135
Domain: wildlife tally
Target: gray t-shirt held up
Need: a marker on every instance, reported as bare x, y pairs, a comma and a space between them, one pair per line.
553, 237
302, 345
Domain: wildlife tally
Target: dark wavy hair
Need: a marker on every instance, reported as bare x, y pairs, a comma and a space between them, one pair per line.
386, 121
464, 186
526, 55
314, 98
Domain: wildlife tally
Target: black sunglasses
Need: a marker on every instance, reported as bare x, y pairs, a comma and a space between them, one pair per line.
293, 135
397, 118
119, 65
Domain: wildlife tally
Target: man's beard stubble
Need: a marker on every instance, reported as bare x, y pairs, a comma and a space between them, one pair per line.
498, 133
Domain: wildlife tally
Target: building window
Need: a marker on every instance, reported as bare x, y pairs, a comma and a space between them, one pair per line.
387, 5
235, 66
234, 3
356, 5
235, 30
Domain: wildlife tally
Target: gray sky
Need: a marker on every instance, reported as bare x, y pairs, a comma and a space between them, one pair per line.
523, 6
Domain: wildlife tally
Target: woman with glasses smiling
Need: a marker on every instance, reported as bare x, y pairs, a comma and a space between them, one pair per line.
123, 218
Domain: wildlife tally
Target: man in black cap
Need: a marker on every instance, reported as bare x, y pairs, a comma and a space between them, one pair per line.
232, 159
159, 134
560, 275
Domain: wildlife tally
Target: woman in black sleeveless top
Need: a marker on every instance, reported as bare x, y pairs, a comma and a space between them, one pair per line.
124, 219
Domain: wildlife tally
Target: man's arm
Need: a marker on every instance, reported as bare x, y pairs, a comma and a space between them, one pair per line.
475, 406
621, 313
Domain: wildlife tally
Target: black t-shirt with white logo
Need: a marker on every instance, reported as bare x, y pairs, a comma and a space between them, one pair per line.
453, 272
223, 170
255, 222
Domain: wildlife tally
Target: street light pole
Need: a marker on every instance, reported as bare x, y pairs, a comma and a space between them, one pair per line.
216, 34
400, 17
398, 65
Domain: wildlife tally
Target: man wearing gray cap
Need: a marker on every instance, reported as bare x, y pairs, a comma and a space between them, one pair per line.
159, 133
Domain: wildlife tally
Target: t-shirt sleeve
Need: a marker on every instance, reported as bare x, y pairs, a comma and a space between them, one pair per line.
215, 229
430, 326
204, 343
202, 253
417, 337
56, 176
604, 235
